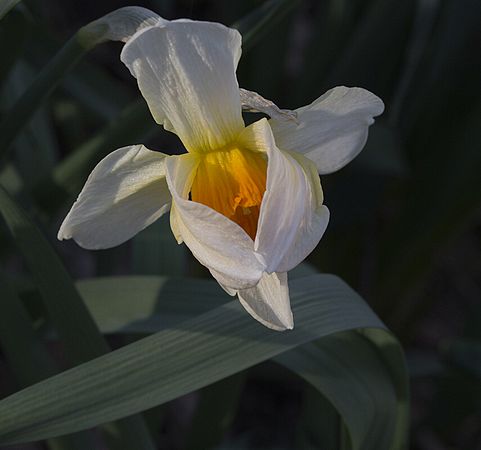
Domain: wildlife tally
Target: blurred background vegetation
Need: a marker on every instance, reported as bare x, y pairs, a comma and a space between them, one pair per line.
406, 214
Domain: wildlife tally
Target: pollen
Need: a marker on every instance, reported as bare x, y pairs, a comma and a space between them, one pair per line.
232, 182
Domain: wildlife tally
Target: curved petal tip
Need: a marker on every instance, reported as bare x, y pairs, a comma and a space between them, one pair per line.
268, 302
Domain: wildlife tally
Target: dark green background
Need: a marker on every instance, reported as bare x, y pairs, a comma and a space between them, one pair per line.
406, 214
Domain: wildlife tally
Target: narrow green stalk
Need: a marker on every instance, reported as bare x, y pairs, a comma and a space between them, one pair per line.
41, 88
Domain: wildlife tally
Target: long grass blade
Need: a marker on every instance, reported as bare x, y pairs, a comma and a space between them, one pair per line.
190, 355
6, 6
66, 309
27, 358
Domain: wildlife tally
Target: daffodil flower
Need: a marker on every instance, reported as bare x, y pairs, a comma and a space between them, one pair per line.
247, 201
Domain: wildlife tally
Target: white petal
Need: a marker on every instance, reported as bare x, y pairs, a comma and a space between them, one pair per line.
186, 73
254, 102
218, 243
173, 225
268, 302
125, 193
332, 130
314, 223
287, 199
120, 25
218, 276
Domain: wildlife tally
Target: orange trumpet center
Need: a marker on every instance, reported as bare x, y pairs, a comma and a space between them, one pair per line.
233, 182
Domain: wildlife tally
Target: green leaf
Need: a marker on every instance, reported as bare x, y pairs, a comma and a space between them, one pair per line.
41, 88
62, 300
160, 302
366, 385
6, 6
66, 309
192, 354
92, 86
27, 358
164, 302
116, 25
36, 146
13, 33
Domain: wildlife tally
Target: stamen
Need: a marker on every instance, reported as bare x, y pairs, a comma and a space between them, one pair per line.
232, 182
